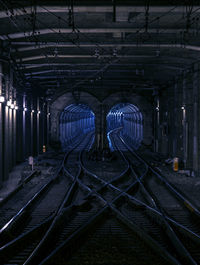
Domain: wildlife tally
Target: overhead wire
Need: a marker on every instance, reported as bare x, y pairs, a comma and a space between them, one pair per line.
139, 29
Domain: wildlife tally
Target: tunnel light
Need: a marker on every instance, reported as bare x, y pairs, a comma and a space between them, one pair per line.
12, 106
2, 99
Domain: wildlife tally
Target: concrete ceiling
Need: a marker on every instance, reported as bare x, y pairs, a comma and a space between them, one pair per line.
100, 45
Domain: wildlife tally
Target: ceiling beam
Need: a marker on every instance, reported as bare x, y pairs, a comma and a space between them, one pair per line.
84, 56
41, 32
108, 45
97, 9
69, 71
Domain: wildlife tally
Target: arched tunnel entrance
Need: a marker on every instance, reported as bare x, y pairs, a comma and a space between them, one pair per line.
76, 120
128, 118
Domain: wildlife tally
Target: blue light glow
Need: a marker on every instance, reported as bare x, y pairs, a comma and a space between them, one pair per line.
75, 121
129, 120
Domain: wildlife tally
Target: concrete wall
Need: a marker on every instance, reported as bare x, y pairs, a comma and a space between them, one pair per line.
179, 120
101, 110
22, 133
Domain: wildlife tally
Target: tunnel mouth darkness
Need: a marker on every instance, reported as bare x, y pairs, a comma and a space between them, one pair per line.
128, 119
76, 120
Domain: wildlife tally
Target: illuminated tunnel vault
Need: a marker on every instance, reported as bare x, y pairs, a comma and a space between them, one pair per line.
76, 120
129, 118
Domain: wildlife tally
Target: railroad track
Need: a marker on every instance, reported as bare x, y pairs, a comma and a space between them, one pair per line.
24, 231
181, 216
21, 194
93, 203
101, 199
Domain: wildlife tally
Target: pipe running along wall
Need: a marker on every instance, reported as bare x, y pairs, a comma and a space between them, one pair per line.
76, 120
128, 118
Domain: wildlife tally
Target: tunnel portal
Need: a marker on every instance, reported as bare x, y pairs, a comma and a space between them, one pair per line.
128, 118
76, 120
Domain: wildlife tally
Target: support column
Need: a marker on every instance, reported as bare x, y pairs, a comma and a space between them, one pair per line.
174, 121
6, 133
14, 128
196, 120
48, 124
184, 123
10, 138
98, 128
1, 128
24, 127
38, 126
156, 123
105, 143
32, 137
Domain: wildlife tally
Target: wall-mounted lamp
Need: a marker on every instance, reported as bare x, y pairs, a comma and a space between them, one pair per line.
157, 108
25, 109
39, 112
9, 103
33, 111
12, 106
16, 108
2, 99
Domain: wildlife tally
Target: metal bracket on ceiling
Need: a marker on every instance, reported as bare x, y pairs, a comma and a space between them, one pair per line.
114, 10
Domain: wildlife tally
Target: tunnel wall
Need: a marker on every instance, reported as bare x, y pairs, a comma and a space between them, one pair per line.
129, 119
59, 104
74, 123
133, 128
101, 110
177, 120
22, 133
142, 104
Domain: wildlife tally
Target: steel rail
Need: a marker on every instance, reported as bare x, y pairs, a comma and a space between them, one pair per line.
72, 189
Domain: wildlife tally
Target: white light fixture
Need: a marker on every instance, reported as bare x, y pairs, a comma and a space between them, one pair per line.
9, 103
39, 112
183, 108
33, 111
16, 107
2, 99
25, 109
12, 106
49, 114
157, 108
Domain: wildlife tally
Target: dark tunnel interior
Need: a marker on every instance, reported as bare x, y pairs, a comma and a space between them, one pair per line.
99, 132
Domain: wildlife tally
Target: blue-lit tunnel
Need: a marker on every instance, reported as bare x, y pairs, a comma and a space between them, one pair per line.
129, 118
76, 120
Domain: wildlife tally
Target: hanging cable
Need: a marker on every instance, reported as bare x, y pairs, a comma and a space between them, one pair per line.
189, 8
71, 21
147, 4
33, 15
114, 10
